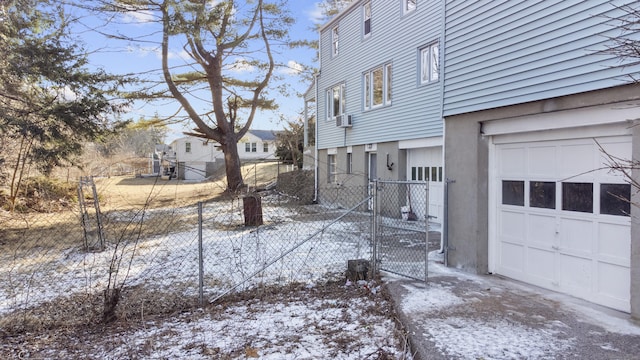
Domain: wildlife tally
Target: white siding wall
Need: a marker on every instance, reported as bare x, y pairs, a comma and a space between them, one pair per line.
504, 52
415, 111
259, 154
200, 150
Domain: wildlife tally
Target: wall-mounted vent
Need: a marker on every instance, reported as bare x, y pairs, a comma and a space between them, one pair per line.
343, 121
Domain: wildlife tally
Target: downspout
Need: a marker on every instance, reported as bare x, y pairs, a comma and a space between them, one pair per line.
315, 146
444, 239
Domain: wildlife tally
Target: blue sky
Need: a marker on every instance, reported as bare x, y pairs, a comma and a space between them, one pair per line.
121, 57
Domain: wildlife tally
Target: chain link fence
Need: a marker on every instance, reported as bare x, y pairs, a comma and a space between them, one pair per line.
182, 254
401, 235
165, 259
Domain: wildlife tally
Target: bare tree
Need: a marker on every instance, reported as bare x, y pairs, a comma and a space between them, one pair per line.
219, 38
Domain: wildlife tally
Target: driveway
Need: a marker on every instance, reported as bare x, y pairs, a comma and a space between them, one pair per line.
457, 315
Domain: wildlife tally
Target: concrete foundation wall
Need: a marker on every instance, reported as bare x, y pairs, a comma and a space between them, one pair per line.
466, 162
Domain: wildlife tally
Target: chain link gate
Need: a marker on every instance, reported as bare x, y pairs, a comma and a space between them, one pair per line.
401, 227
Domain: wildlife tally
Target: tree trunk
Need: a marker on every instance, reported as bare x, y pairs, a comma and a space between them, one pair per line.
233, 167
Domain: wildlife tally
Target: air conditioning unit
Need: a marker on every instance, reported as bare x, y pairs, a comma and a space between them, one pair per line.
343, 121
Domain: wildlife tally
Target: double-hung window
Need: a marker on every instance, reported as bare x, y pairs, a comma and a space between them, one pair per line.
377, 87
408, 6
187, 147
334, 41
265, 147
336, 102
429, 63
332, 169
366, 14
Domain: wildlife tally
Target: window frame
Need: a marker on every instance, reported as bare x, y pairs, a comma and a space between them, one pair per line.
265, 147
330, 101
247, 147
349, 163
254, 147
369, 87
429, 63
187, 147
366, 20
332, 169
335, 37
409, 6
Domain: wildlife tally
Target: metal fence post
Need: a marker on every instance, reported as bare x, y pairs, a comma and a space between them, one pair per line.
426, 225
374, 226
200, 258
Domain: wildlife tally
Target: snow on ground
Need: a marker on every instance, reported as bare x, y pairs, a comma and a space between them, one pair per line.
467, 316
288, 249
330, 320
293, 330
323, 320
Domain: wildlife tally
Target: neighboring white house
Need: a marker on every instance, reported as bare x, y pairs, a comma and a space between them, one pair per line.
258, 145
196, 158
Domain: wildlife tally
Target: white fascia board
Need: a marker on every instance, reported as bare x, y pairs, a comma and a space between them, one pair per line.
421, 143
566, 119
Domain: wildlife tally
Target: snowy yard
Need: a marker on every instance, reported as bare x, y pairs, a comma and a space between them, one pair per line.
50, 308
329, 320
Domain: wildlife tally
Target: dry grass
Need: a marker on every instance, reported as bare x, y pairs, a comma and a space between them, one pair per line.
71, 326
121, 193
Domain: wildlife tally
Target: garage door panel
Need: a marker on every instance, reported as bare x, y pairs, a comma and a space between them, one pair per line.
576, 160
540, 264
512, 258
575, 274
542, 161
576, 236
613, 289
512, 164
541, 230
614, 243
513, 226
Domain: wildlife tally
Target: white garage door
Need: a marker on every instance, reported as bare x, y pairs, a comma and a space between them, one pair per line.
561, 221
425, 164
194, 171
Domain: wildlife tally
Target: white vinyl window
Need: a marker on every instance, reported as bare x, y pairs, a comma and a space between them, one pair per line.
334, 41
366, 14
377, 87
332, 170
336, 102
429, 64
408, 6
265, 147
187, 147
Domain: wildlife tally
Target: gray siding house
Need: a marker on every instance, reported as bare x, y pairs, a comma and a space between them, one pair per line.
378, 97
536, 113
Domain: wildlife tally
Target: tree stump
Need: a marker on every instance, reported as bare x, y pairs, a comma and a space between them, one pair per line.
252, 210
357, 270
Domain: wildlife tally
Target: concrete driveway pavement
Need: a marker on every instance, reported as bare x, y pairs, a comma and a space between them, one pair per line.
457, 315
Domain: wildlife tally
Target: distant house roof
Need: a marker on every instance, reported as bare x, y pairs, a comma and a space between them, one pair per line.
264, 135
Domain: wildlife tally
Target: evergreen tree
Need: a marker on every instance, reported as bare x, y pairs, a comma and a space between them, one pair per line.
50, 103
